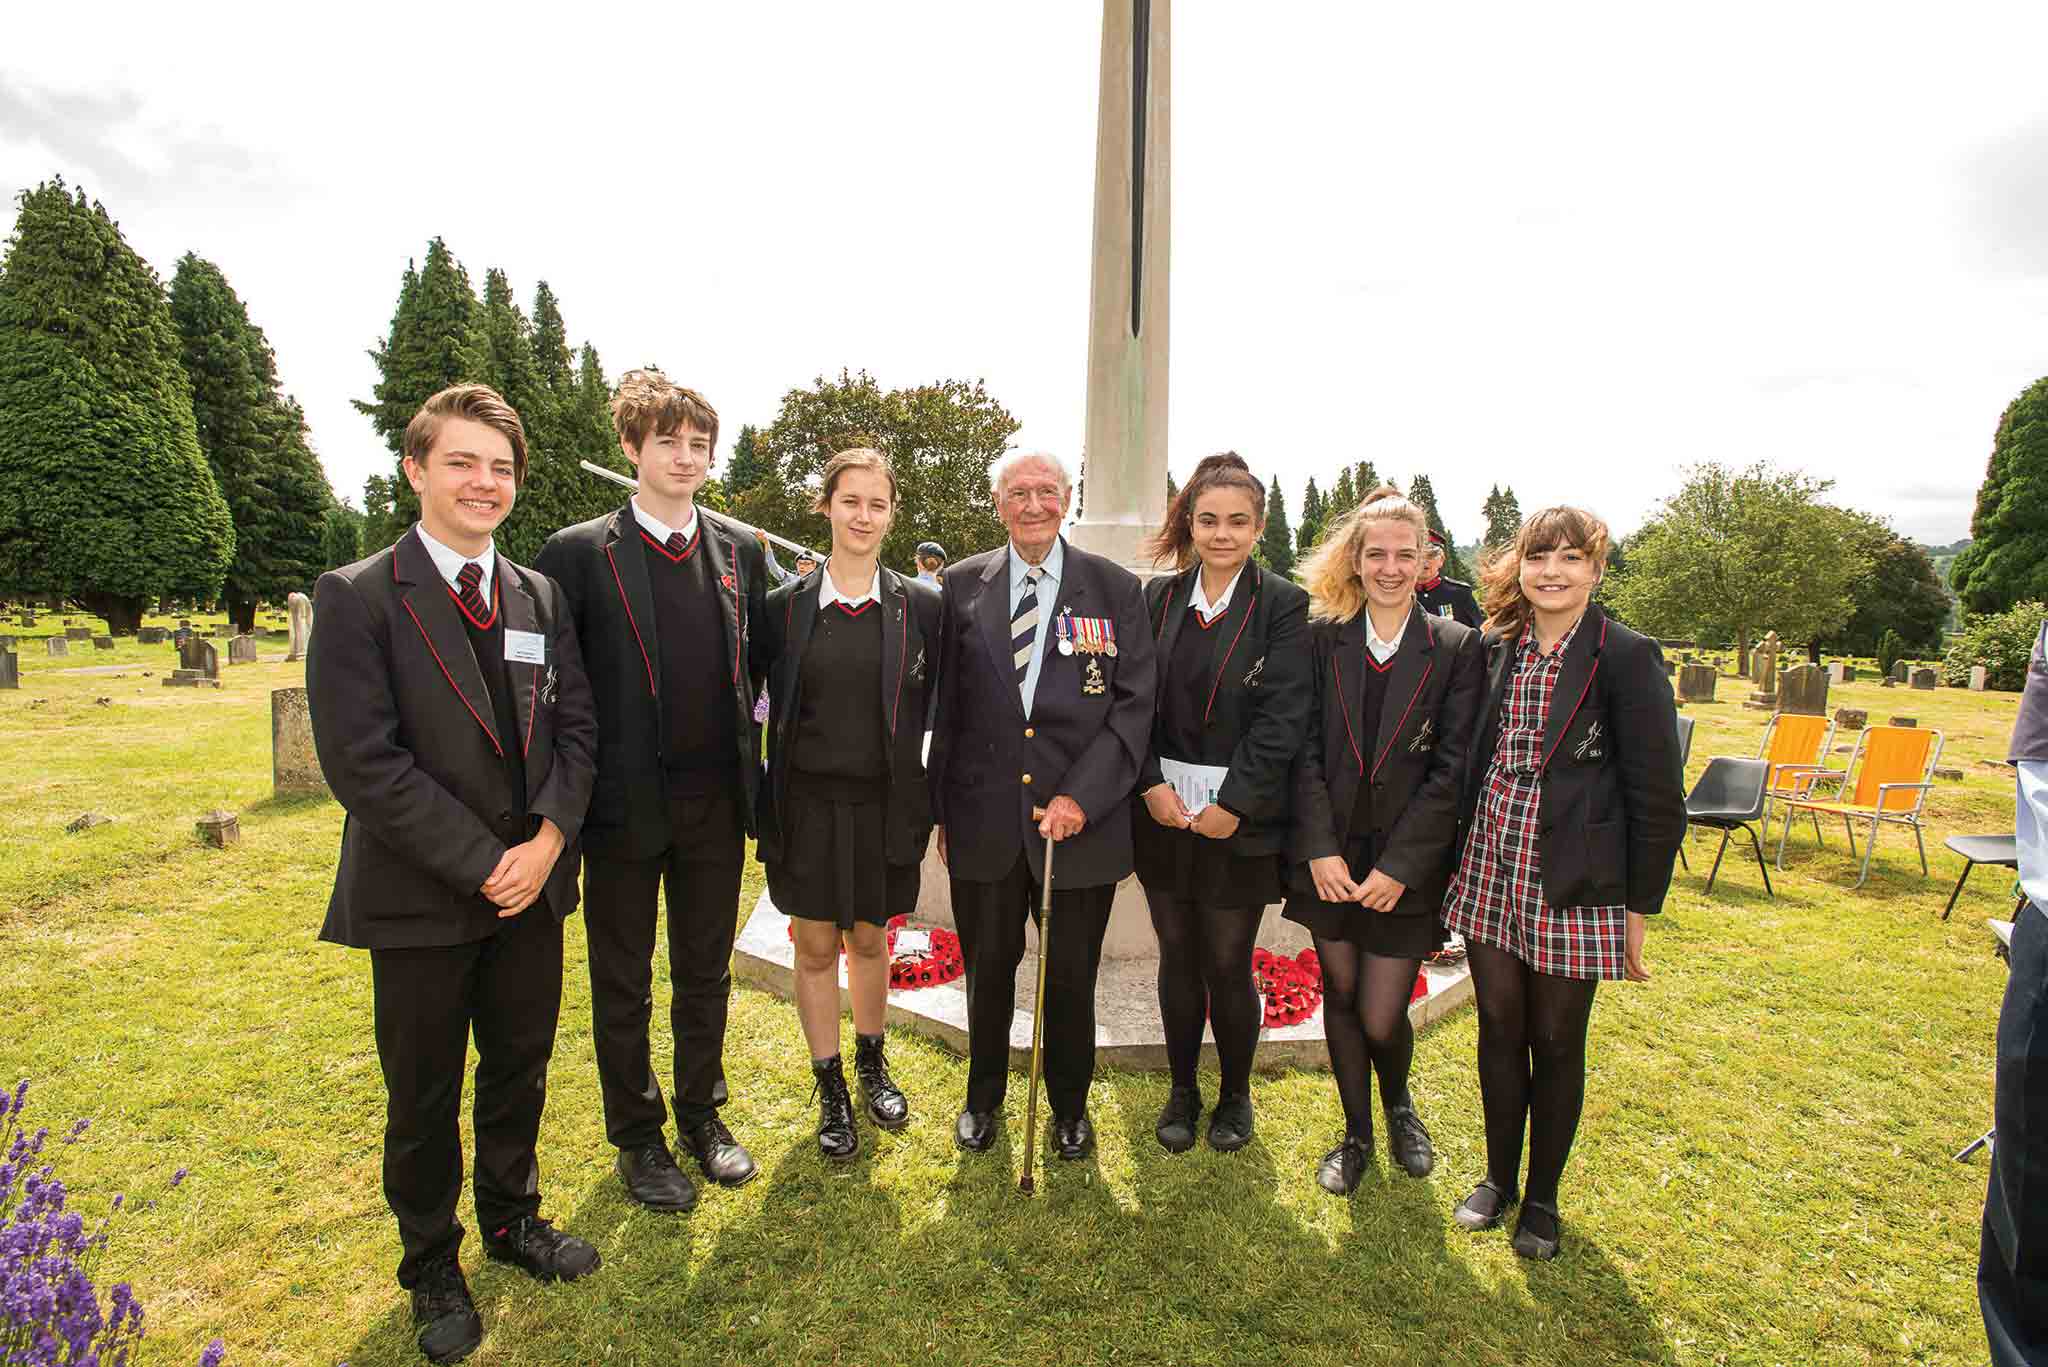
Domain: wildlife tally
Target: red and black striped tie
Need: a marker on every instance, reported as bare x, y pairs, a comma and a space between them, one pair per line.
677, 547
467, 580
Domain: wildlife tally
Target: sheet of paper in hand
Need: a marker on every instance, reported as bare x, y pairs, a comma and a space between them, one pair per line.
1197, 784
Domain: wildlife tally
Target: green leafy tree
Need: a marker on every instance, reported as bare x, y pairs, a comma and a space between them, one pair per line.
341, 536
1423, 495
746, 468
2007, 558
382, 523
942, 438
1276, 545
1309, 529
104, 495
1895, 589
1503, 514
255, 442
1735, 553
2003, 642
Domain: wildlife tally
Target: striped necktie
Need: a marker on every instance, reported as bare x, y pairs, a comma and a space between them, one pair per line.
1024, 626
467, 580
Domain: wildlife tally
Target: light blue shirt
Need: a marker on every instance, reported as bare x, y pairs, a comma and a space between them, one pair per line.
1048, 593
450, 561
2030, 830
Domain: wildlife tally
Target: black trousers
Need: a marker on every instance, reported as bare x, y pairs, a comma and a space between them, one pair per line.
2012, 1265
990, 919
699, 873
507, 991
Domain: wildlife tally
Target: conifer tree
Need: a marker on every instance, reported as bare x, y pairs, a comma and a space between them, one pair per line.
1344, 496
1276, 546
1309, 530
1423, 495
1503, 513
1364, 479
341, 536
2007, 558
104, 495
747, 467
254, 440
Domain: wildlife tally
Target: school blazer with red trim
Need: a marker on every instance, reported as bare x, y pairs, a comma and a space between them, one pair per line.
602, 570
1259, 688
1613, 808
407, 741
910, 665
1415, 762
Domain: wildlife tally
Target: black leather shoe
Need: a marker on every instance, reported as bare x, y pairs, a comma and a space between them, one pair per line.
1485, 1207
541, 1251
837, 1139
1074, 1138
886, 1105
974, 1131
1531, 1239
719, 1154
653, 1179
450, 1328
1342, 1166
1408, 1142
1176, 1127
1230, 1127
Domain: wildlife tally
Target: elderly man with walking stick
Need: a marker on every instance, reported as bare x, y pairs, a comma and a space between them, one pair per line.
1045, 701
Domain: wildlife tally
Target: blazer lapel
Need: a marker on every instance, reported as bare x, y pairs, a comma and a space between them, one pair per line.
1413, 663
1573, 679
1347, 667
629, 575
432, 609
520, 615
895, 651
723, 565
1173, 612
1228, 631
992, 612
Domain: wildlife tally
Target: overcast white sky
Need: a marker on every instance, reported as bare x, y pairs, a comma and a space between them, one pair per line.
1572, 248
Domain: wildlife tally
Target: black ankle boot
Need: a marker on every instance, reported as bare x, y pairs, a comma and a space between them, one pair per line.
885, 1102
837, 1139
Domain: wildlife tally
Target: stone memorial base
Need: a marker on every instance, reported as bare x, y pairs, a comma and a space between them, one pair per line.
1762, 702
1127, 1029
190, 678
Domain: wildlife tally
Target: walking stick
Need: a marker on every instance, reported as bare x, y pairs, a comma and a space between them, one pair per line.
1024, 1183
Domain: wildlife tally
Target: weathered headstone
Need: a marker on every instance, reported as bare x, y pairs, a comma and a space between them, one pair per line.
1696, 683
294, 764
1848, 673
184, 621
301, 610
10, 669
198, 665
242, 650
1979, 678
57, 645
1925, 678
1952, 775
149, 636
1764, 673
25, 617
1905, 721
220, 828
1835, 673
78, 633
1901, 671
85, 821
102, 643
1851, 718
1887, 682
1803, 689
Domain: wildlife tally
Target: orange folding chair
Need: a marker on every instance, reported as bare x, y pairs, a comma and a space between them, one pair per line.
1793, 745
1888, 779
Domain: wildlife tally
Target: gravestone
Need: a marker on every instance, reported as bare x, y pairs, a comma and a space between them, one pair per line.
1848, 673
1696, 683
294, 764
184, 622
1924, 678
149, 636
1764, 673
301, 610
220, 828
78, 633
1804, 690
102, 643
1979, 677
1887, 682
1905, 721
1901, 671
57, 645
180, 636
242, 650
1851, 718
10, 669
198, 665
1835, 675
25, 617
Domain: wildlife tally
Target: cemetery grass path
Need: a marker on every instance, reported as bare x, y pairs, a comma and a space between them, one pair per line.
1762, 1174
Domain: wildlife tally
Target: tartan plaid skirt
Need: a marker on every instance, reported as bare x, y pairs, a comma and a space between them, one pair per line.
1496, 895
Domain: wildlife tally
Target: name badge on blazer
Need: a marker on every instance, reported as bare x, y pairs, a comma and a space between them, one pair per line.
526, 647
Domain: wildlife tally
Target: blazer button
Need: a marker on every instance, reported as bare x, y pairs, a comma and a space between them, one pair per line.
504, 817
1027, 778
1029, 733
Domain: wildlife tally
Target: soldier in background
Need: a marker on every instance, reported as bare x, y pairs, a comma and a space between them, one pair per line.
1441, 597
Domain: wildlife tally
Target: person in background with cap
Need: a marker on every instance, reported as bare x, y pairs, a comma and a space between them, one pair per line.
931, 559
1441, 597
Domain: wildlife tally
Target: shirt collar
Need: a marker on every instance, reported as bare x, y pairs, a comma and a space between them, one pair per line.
1199, 601
1055, 561
660, 530
1564, 642
828, 593
450, 561
1379, 647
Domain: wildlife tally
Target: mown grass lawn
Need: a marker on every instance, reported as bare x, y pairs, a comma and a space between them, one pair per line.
1763, 1174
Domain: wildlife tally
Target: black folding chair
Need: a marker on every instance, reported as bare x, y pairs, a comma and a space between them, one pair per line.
1730, 795
1684, 754
2002, 850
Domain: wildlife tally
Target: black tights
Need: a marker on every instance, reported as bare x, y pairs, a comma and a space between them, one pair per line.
1365, 1024
1532, 1066
1205, 972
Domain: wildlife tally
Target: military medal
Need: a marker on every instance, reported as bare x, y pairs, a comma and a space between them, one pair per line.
1109, 638
1064, 624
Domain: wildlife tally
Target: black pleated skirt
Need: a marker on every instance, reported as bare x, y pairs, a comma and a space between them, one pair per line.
833, 866
1391, 935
